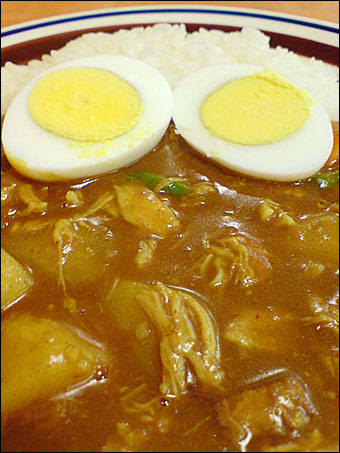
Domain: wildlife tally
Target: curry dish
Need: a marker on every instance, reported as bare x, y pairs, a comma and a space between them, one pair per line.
169, 306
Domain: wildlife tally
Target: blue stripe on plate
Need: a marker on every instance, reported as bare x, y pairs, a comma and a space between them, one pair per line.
173, 10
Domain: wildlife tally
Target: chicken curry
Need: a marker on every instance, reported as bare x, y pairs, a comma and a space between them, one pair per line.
169, 306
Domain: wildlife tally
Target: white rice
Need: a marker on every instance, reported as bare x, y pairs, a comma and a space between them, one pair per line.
176, 53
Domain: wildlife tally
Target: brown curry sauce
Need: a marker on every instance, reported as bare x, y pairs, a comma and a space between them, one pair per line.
259, 257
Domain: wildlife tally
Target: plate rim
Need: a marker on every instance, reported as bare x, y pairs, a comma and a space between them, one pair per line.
294, 25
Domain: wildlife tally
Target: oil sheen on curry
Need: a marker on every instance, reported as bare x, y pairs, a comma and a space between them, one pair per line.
186, 298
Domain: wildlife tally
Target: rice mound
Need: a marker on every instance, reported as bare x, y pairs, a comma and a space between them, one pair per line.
176, 53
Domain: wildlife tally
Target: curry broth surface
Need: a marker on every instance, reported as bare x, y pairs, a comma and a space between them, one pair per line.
93, 417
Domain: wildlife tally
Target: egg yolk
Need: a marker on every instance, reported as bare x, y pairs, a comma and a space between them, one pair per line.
256, 110
85, 104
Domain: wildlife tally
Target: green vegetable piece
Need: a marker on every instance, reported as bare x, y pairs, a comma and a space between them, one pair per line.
176, 188
149, 179
152, 179
328, 179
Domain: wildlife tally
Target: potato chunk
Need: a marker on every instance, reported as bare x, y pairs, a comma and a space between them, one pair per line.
40, 358
141, 207
15, 280
83, 251
274, 409
130, 318
262, 330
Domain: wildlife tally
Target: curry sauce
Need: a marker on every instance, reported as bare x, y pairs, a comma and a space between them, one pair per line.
170, 306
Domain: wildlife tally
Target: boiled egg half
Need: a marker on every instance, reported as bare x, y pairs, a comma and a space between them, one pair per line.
253, 121
87, 117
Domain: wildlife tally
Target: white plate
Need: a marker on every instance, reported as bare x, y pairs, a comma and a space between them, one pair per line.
315, 30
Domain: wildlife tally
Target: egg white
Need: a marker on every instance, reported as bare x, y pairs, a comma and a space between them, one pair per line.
296, 157
42, 155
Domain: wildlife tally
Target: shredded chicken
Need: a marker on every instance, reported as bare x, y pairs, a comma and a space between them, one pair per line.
63, 234
145, 252
188, 342
106, 201
141, 419
166, 181
326, 315
26, 195
271, 211
132, 403
74, 197
203, 188
235, 260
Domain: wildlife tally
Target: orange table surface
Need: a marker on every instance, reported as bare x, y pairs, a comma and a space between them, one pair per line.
14, 12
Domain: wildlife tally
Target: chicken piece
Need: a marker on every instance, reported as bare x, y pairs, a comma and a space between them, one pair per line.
141, 207
272, 212
188, 341
325, 313
40, 358
105, 202
176, 336
236, 260
261, 330
13, 189
26, 194
15, 280
320, 229
145, 252
276, 408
